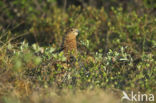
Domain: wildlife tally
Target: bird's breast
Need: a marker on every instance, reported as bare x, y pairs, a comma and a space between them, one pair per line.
70, 46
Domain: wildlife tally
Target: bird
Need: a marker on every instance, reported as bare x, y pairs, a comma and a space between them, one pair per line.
69, 48
69, 44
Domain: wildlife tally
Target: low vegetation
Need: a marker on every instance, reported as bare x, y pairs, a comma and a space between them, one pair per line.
117, 52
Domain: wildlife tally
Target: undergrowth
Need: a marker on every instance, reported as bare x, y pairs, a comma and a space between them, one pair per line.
117, 51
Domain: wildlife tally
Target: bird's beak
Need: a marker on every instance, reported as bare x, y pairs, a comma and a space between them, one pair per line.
78, 32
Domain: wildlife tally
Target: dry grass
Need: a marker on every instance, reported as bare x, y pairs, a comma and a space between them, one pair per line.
51, 95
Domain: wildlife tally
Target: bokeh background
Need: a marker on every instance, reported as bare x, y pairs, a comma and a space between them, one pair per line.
116, 44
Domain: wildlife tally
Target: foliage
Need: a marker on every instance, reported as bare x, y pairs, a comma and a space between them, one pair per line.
150, 3
117, 48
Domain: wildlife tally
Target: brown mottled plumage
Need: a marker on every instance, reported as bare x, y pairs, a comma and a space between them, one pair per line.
69, 43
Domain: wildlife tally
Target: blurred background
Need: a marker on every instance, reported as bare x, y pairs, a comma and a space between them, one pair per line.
113, 23
117, 45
